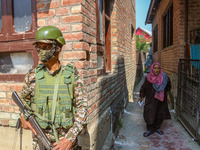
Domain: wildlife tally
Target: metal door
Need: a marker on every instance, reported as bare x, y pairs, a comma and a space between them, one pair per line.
188, 101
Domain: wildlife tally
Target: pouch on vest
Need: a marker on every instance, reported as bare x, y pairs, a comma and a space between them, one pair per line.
43, 97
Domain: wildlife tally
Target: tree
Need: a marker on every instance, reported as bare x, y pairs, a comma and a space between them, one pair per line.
141, 44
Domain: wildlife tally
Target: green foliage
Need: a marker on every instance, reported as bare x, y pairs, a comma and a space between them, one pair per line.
141, 44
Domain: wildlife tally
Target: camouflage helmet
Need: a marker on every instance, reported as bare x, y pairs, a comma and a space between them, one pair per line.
48, 33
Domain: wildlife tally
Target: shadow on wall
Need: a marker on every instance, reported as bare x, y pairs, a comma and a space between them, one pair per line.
112, 104
43, 7
121, 96
112, 100
139, 67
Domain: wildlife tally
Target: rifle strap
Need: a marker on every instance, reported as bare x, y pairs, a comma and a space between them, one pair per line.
55, 96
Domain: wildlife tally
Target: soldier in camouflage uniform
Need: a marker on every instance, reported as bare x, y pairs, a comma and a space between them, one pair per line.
54, 93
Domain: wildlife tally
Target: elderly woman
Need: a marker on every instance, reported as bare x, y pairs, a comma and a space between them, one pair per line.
156, 88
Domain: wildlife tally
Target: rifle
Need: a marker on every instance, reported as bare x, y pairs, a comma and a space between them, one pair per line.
30, 117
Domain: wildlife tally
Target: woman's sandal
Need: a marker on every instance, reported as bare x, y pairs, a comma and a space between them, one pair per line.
147, 133
159, 131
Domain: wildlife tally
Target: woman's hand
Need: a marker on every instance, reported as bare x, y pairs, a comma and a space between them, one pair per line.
140, 99
26, 125
64, 144
168, 98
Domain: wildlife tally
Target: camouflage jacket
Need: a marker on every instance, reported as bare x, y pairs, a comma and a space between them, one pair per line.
80, 101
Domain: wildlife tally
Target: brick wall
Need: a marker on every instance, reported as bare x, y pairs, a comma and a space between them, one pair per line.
107, 94
193, 15
111, 91
169, 56
8, 110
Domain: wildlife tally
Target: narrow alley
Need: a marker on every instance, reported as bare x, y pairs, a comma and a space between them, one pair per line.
130, 136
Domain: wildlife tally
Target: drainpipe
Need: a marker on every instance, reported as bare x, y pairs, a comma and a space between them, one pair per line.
187, 53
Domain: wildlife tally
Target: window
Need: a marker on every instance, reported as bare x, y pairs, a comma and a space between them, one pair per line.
155, 39
17, 20
15, 62
17, 33
99, 19
103, 14
168, 28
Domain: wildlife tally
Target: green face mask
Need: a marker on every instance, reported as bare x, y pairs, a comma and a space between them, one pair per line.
46, 55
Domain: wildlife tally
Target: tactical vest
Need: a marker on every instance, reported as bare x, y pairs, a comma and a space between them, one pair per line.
43, 98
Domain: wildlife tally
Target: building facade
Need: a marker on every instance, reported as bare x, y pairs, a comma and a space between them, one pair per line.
100, 42
144, 33
173, 24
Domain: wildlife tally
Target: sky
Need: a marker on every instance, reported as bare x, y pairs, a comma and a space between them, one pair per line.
142, 7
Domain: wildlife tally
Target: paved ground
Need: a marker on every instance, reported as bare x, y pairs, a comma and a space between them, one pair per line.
131, 134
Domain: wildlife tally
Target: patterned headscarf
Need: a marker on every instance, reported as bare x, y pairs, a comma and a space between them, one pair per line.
159, 82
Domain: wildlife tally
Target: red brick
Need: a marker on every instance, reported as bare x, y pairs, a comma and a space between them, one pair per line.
92, 3
76, 9
40, 6
52, 21
16, 88
93, 48
41, 22
81, 45
77, 45
73, 36
62, 11
53, 4
93, 64
87, 28
70, 2
5, 101
89, 111
67, 46
93, 56
47, 13
92, 72
93, 79
86, 11
86, 21
9, 94
80, 55
4, 122
88, 6
83, 73
4, 88
77, 27
16, 109
13, 103
93, 107
87, 82
3, 94
10, 109
2, 108
64, 27
79, 64
74, 18
87, 64
92, 100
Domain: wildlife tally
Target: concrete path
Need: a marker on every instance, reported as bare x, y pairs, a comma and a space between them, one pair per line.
131, 134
